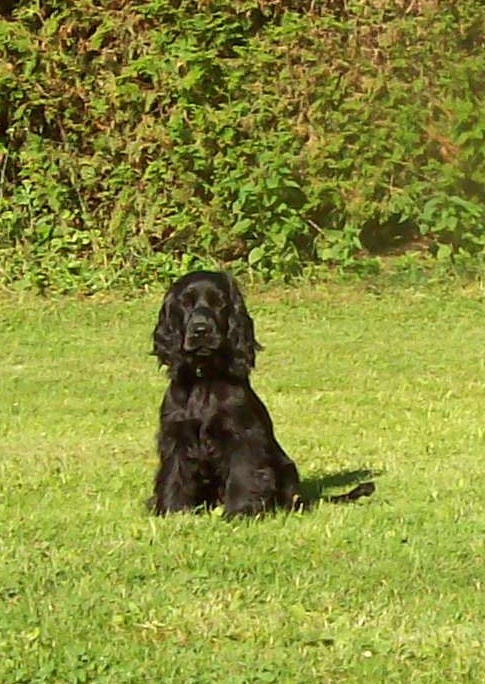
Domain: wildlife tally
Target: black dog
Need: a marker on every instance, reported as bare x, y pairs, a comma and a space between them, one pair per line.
216, 440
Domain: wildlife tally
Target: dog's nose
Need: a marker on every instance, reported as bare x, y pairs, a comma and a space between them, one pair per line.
199, 324
199, 328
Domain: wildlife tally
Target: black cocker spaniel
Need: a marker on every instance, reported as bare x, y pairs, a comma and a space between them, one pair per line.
216, 440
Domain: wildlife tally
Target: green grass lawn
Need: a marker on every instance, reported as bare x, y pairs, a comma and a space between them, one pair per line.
389, 589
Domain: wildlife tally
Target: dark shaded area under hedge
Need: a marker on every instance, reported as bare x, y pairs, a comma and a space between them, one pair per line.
139, 138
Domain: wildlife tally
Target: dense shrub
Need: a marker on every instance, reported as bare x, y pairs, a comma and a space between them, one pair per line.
140, 137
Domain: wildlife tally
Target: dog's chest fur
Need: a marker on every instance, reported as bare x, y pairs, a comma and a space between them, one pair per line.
204, 415
203, 401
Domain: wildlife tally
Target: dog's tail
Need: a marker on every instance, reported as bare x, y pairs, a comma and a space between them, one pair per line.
364, 489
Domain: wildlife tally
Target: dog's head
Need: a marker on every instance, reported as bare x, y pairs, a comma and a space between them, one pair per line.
203, 325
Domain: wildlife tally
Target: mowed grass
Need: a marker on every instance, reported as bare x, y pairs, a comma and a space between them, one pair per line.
389, 589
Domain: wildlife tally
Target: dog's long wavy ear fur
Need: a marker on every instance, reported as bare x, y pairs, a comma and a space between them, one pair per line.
241, 333
168, 334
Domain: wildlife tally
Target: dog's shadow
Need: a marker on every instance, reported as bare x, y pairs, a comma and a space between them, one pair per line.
316, 488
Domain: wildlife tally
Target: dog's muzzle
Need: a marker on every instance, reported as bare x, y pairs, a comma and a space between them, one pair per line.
201, 334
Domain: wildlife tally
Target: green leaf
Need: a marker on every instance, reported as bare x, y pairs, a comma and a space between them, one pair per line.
256, 255
444, 252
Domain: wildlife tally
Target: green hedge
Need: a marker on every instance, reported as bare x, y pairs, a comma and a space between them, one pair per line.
141, 137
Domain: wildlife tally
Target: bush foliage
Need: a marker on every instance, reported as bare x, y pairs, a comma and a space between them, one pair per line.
141, 137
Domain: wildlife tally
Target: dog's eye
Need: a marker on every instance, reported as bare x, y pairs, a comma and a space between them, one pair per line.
215, 301
188, 300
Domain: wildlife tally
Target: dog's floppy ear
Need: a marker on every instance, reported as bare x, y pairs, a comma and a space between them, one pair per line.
240, 332
168, 333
